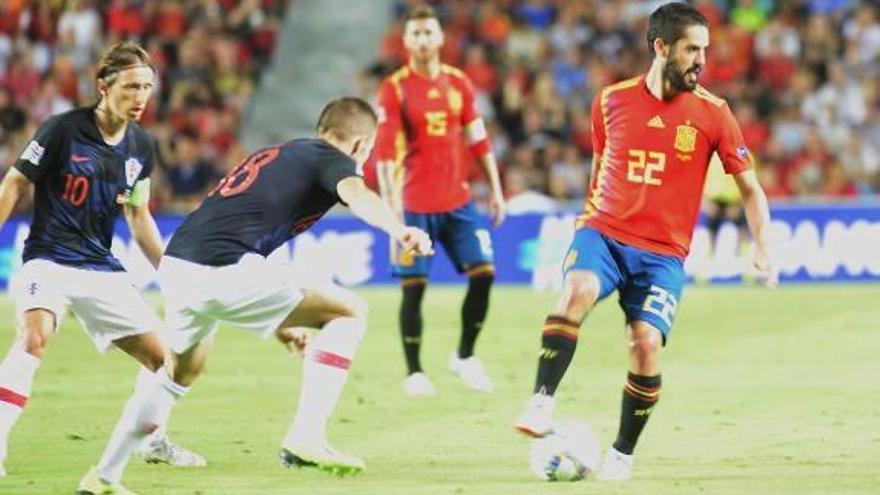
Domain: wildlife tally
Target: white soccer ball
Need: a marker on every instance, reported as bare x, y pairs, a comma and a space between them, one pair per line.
570, 453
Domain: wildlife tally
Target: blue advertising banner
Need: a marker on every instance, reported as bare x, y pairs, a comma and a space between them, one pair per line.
812, 243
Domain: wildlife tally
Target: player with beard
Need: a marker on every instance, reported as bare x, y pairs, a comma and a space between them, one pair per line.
428, 120
653, 137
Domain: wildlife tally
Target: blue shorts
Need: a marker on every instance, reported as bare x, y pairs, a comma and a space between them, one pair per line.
649, 284
462, 233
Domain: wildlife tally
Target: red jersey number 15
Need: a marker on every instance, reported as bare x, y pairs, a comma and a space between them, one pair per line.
436, 122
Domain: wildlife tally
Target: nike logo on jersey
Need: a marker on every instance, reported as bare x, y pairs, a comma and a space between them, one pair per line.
656, 123
79, 158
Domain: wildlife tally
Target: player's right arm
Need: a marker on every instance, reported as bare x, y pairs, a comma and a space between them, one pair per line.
14, 186
390, 146
369, 207
40, 152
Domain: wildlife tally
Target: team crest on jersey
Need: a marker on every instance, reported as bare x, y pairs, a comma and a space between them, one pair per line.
133, 169
686, 138
455, 100
433, 94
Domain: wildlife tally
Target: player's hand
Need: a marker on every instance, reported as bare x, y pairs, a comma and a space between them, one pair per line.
416, 241
767, 273
497, 209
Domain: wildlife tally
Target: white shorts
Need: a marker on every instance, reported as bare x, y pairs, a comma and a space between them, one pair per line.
254, 294
107, 304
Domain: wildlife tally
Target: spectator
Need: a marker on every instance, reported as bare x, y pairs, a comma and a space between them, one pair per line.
189, 176
523, 199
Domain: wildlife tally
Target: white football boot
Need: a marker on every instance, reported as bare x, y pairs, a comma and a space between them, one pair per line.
161, 450
537, 418
418, 384
320, 455
471, 372
92, 484
617, 466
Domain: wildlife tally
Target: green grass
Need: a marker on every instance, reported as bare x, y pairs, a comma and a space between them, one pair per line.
764, 393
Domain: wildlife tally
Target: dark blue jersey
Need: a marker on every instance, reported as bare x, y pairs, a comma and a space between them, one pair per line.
263, 202
77, 177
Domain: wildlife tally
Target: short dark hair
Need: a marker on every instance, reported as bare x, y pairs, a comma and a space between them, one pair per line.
669, 21
347, 117
121, 56
421, 11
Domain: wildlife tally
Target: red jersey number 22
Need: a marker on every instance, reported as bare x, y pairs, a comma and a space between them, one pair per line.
240, 178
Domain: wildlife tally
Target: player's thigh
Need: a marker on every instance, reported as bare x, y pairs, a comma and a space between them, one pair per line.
38, 289
466, 239
652, 292
323, 304
405, 264
590, 271
110, 308
255, 294
185, 289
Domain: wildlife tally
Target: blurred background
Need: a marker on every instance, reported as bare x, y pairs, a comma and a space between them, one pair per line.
800, 75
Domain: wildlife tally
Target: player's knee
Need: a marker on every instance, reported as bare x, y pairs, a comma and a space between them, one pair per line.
154, 362
349, 305
483, 280
185, 374
35, 334
583, 289
356, 310
358, 307
645, 344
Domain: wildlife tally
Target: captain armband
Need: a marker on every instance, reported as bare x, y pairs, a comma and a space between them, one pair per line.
478, 138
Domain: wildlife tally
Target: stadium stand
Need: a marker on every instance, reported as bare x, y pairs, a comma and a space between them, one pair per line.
801, 76
210, 55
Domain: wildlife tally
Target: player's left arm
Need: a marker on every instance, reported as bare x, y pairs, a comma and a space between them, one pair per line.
141, 223
758, 216
481, 147
737, 161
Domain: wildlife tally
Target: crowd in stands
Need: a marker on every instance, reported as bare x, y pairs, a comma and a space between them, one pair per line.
801, 77
209, 54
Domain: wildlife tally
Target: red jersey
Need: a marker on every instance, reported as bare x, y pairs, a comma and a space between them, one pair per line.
650, 161
424, 125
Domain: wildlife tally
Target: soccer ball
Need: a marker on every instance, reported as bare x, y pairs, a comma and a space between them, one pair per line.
570, 453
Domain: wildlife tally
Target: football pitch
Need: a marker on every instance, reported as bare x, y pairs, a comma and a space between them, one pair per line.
764, 393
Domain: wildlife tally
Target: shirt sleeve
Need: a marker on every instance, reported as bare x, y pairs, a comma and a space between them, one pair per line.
390, 126
731, 147
42, 151
475, 128
337, 169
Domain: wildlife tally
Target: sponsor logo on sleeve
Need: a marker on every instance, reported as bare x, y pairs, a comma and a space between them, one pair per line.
33, 153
